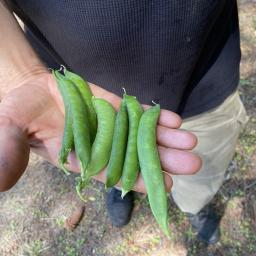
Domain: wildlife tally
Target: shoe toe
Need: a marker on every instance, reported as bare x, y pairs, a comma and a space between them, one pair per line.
206, 225
119, 210
209, 238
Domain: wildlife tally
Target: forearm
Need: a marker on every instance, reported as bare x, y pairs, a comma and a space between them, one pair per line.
18, 61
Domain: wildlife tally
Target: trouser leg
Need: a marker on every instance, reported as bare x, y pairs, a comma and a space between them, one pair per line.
217, 132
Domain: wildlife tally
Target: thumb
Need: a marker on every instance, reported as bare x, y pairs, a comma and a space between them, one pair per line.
14, 153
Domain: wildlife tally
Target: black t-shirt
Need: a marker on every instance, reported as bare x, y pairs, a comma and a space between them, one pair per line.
183, 54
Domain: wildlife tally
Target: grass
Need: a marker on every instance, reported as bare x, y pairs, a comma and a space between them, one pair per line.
33, 212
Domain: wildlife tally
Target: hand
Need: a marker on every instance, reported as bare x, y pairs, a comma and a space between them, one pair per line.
32, 117
174, 147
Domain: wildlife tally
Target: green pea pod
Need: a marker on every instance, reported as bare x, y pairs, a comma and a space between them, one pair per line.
86, 94
67, 138
116, 161
151, 167
79, 121
101, 147
131, 162
67, 141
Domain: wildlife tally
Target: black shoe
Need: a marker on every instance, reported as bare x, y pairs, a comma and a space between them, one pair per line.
206, 224
119, 210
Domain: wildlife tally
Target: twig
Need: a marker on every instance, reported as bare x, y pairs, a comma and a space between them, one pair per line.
250, 185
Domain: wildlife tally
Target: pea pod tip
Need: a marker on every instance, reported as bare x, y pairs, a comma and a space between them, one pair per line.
124, 192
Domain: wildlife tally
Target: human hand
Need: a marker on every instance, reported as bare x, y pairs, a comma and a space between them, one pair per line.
32, 118
174, 145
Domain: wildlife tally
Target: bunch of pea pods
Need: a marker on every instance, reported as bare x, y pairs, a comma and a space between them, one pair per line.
123, 142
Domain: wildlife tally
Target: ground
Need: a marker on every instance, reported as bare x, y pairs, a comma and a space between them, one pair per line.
33, 213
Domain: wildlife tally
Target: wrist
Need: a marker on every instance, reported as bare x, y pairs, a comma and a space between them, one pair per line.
17, 76
18, 60
27, 74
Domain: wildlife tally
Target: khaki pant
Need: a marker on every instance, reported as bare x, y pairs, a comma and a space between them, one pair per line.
217, 131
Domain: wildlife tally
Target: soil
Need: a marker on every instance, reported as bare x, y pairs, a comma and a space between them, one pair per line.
34, 212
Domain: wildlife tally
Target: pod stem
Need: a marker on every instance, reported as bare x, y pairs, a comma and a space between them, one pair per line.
81, 184
78, 191
64, 169
124, 90
62, 69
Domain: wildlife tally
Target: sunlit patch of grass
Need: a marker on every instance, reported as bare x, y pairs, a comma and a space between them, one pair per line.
35, 248
70, 246
142, 241
60, 221
38, 213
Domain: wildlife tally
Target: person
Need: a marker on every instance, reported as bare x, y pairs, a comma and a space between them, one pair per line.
182, 54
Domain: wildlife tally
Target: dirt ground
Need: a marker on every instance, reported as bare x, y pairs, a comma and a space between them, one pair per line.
33, 213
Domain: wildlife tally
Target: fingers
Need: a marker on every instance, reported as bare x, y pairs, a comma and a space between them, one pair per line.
14, 153
169, 119
102, 93
173, 138
140, 187
180, 162
173, 161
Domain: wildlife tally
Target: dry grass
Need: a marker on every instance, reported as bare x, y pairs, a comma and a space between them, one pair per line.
33, 213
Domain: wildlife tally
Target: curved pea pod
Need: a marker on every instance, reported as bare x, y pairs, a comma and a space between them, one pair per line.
86, 94
101, 147
131, 162
116, 161
80, 122
151, 167
67, 139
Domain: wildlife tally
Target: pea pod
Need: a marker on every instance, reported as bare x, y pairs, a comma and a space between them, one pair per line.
86, 94
116, 162
79, 121
151, 167
131, 162
67, 141
67, 138
101, 147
